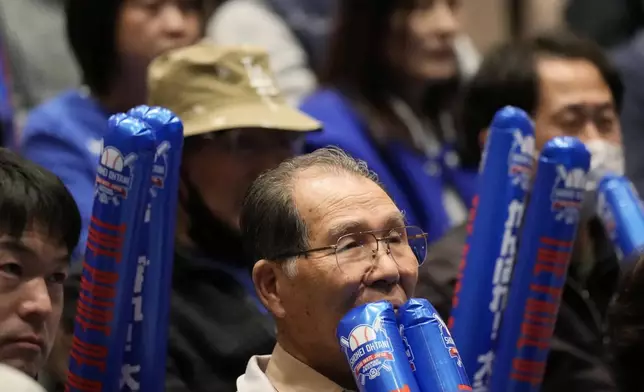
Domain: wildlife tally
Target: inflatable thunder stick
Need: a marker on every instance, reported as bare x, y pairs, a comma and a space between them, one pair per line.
493, 231
370, 340
431, 351
146, 349
105, 297
620, 210
547, 239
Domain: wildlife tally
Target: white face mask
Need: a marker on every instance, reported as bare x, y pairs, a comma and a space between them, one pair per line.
605, 158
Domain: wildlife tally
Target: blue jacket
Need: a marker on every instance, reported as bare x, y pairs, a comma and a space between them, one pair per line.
404, 172
64, 135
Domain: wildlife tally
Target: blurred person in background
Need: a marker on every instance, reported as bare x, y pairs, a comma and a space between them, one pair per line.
236, 125
295, 33
113, 42
628, 58
327, 238
392, 78
35, 51
39, 228
569, 88
609, 23
618, 25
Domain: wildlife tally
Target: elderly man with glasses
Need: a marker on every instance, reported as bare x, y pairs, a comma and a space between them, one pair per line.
328, 238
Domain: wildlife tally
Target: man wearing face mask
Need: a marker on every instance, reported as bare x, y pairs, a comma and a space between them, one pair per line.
569, 88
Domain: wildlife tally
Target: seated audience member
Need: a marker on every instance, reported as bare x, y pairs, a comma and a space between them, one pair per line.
393, 74
569, 88
328, 238
39, 228
33, 45
113, 41
236, 125
293, 32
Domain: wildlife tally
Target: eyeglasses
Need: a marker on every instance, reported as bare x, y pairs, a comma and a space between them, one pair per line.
405, 245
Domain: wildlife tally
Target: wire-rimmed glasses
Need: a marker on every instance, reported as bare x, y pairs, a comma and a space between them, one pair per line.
405, 245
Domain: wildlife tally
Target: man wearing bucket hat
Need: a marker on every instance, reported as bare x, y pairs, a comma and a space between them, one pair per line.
236, 125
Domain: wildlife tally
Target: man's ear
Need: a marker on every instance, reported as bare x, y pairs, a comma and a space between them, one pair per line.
265, 274
483, 138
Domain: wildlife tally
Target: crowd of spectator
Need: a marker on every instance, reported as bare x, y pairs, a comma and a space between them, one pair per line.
284, 105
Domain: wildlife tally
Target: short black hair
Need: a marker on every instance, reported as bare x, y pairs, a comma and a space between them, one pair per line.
31, 196
508, 76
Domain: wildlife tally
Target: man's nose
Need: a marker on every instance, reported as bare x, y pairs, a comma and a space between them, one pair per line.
36, 302
385, 269
589, 132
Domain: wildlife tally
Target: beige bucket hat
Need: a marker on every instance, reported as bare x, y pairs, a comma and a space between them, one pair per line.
215, 88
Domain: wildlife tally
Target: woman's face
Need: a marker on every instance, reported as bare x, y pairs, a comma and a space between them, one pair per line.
147, 28
422, 41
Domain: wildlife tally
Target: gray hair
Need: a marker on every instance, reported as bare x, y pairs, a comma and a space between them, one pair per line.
270, 223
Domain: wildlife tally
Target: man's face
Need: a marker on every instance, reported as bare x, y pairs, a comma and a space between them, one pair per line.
574, 101
322, 292
147, 28
32, 271
222, 165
